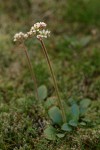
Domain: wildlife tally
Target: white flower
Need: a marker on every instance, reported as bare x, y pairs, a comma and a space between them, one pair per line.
39, 25
15, 40
26, 36
43, 34
43, 25
19, 36
36, 26
29, 33
33, 29
39, 36
37, 29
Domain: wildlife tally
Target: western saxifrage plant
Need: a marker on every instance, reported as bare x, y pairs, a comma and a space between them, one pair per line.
62, 117
39, 31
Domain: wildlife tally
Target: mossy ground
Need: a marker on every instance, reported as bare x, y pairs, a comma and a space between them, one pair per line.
74, 49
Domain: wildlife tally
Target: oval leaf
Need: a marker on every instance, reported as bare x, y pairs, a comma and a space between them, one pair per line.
83, 123
71, 101
50, 102
75, 111
60, 135
66, 127
55, 115
73, 123
42, 92
85, 103
83, 111
50, 133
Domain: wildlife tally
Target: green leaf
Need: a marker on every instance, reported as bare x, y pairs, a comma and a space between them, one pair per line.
50, 102
83, 123
71, 101
86, 120
60, 135
55, 115
73, 123
83, 111
69, 116
50, 133
75, 111
66, 127
85, 103
65, 106
42, 92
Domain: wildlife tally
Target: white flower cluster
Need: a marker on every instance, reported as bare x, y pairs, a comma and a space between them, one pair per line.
37, 29
43, 34
39, 25
19, 36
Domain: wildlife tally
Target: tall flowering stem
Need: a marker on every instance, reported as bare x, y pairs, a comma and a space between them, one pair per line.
53, 77
38, 30
31, 71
